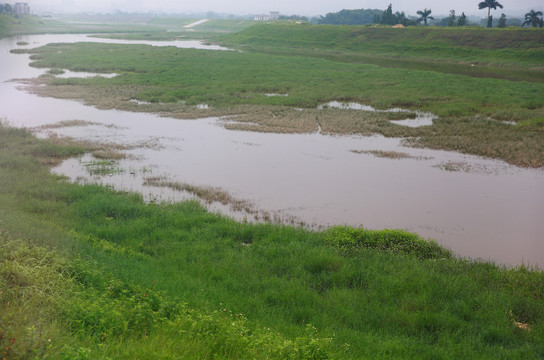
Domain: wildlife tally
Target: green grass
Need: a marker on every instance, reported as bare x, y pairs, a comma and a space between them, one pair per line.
533, 124
348, 239
499, 47
229, 78
123, 278
56, 306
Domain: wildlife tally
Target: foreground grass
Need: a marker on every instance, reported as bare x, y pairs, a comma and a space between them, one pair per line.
64, 304
102, 274
58, 306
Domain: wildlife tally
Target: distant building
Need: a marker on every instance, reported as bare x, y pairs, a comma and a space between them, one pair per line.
21, 8
273, 15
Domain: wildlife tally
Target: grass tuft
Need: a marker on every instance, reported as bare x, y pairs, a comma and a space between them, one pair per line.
347, 238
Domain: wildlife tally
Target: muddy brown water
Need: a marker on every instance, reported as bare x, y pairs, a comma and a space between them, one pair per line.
479, 208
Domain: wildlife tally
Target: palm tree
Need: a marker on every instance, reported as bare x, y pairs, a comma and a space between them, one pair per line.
424, 16
489, 4
502, 21
462, 20
532, 18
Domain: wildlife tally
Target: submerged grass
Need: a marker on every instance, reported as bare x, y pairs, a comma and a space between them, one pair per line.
387, 154
121, 278
207, 193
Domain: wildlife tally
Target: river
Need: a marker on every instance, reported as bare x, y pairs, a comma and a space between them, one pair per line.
479, 208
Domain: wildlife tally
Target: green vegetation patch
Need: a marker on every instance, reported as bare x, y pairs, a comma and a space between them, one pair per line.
227, 78
347, 238
56, 306
533, 124
55, 71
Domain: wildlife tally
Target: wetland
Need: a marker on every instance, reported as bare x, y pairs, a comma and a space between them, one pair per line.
316, 165
379, 211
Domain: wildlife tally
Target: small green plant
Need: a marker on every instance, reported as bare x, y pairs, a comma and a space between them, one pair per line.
55, 71
532, 124
103, 167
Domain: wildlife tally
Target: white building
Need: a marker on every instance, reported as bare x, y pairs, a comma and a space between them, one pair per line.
21, 8
273, 15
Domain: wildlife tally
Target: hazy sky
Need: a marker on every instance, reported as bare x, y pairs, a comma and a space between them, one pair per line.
287, 7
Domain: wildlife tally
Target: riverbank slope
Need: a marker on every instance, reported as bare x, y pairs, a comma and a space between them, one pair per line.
77, 258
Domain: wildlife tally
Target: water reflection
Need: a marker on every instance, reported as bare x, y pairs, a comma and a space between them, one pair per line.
81, 74
478, 207
421, 118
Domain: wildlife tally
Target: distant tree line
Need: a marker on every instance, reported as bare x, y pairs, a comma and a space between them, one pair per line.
350, 17
293, 18
532, 18
6, 9
388, 17
15, 9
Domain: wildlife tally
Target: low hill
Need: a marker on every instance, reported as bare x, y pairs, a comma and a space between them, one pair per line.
10, 25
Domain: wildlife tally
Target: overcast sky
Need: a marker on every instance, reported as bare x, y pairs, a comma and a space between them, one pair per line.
286, 7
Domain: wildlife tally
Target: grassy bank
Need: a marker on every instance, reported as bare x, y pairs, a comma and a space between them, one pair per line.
174, 81
503, 53
10, 25
101, 274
